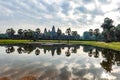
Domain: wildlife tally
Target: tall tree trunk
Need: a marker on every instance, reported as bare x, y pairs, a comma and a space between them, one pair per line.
108, 37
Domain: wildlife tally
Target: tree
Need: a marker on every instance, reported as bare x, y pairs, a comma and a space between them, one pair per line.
68, 32
68, 53
91, 32
59, 32
96, 33
20, 33
117, 32
30, 34
107, 25
37, 51
74, 33
38, 31
37, 34
58, 51
20, 50
86, 35
25, 34
10, 49
10, 32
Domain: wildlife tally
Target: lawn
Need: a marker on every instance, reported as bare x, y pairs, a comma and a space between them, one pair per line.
13, 41
112, 45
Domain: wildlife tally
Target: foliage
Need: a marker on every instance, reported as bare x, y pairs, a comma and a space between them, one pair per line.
117, 32
68, 31
107, 28
10, 32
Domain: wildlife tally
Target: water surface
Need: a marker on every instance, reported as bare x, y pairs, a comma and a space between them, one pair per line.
58, 62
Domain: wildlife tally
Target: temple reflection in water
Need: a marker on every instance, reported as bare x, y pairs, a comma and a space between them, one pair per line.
110, 57
107, 59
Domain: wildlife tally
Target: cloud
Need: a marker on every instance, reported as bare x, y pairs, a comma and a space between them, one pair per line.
105, 1
57, 12
82, 9
87, 1
66, 7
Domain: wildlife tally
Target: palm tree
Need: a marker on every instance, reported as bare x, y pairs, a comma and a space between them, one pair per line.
20, 33
30, 34
107, 25
96, 33
68, 32
59, 32
10, 32
91, 32
25, 34
38, 30
37, 33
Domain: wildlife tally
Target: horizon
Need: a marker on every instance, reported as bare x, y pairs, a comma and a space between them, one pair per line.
80, 15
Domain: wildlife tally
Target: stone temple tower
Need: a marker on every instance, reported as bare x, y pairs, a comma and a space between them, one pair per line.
53, 31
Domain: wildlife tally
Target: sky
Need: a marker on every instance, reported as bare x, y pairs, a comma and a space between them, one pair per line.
79, 15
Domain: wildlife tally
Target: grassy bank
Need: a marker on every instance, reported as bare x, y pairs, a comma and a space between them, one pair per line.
13, 41
112, 45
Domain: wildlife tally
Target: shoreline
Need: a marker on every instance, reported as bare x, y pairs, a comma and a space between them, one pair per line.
112, 45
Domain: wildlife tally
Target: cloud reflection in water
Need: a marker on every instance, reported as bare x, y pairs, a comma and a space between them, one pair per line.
56, 65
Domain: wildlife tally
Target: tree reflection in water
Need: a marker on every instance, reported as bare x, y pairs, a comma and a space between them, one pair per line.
58, 51
68, 52
10, 49
20, 50
110, 57
28, 48
37, 51
74, 49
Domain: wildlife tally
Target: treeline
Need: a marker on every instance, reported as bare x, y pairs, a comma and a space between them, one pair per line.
93, 35
47, 34
110, 32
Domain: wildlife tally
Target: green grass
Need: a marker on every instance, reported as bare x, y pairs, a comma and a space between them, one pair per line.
13, 41
112, 45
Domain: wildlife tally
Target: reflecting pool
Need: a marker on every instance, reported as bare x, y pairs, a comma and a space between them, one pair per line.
58, 62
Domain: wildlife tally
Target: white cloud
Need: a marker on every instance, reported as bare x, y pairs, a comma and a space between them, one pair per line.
48, 16
109, 8
80, 14
90, 7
